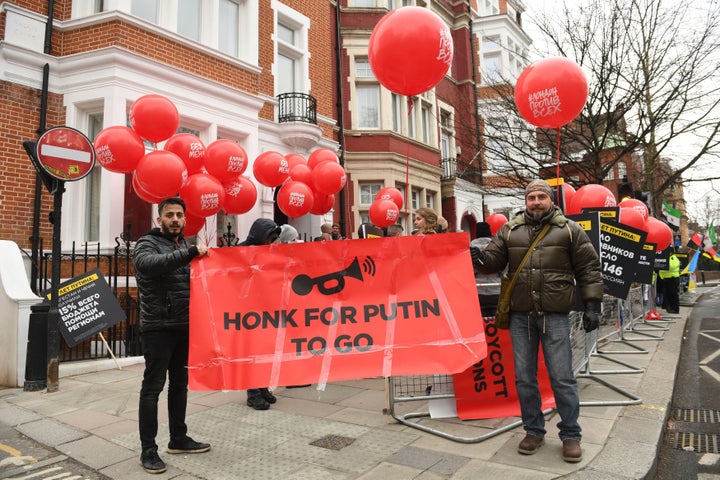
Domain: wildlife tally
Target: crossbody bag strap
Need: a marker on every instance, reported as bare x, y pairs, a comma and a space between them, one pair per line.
527, 255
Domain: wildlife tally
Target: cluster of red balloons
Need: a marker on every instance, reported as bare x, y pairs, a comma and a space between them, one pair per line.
496, 220
385, 210
410, 50
633, 212
210, 178
551, 92
307, 186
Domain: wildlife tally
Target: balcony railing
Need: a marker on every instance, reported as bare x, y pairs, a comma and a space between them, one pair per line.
297, 107
449, 167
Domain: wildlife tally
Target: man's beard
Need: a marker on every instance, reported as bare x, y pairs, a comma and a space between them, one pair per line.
537, 216
166, 231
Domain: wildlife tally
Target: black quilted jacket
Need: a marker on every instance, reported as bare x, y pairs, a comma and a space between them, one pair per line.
162, 271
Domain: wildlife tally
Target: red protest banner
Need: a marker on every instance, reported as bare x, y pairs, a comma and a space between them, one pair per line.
326, 311
487, 389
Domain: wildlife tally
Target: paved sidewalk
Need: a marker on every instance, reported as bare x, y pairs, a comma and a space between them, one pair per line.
342, 432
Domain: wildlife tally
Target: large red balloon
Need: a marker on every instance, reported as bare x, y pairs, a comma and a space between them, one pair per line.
271, 169
591, 195
295, 199
391, 193
154, 117
118, 149
161, 173
193, 225
321, 155
551, 92
329, 177
410, 50
295, 159
384, 213
140, 192
658, 233
189, 148
225, 159
203, 194
568, 193
322, 204
301, 173
636, 204
632, 218
496, 220
240, 195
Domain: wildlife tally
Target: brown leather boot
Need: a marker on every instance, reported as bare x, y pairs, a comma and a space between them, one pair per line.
571, 451
530, 444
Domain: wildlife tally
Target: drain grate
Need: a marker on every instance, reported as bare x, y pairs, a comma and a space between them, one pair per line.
696, 415
697, 442
333, 442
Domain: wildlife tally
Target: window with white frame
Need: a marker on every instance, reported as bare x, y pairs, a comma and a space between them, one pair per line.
430, 200
488, 7
147, 9
415, 199
228, 27
367, 95
189, 18
447, 134
397, 112
92, 186
363, 3
491, 66
610, 175
622, 169
427, 123
291, 70
368, 192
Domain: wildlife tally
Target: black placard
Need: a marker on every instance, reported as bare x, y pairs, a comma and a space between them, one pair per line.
662, 259
87, 306
620, 248
645, 264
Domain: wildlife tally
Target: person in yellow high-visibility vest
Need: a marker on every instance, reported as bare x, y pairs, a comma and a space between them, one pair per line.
671, 285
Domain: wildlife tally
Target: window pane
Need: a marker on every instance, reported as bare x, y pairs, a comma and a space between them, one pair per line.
363, 69
368, 191
364, 3
228, 30
146, 9
415, 199
396, 113
368, 106
426, 124
189, 18
430, 200
286, 74
92, 186
286, 34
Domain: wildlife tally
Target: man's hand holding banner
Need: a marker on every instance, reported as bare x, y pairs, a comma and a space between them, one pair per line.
328, 311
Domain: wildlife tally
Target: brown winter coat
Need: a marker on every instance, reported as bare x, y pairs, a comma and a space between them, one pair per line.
563, 260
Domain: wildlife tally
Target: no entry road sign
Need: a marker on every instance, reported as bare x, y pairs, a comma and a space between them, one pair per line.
65, 153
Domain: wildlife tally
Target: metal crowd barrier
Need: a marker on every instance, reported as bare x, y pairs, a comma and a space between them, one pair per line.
620, 319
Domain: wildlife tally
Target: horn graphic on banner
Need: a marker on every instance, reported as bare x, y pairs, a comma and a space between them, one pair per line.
334, 282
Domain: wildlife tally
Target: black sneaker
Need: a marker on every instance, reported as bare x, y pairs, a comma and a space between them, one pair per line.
187, 445
269, 397
151, 462
257, 402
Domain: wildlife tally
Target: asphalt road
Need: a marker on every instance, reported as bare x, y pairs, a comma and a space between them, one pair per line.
691, 441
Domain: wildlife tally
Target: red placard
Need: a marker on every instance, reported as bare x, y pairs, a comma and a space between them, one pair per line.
326, 311
65, 153
487, 389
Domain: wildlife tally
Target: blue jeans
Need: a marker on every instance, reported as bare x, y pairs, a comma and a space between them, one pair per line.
552, 331
166, 354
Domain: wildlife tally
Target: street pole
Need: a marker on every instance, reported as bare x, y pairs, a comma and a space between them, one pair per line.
53, 352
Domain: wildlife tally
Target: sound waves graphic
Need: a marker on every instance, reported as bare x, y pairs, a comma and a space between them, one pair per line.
333, 282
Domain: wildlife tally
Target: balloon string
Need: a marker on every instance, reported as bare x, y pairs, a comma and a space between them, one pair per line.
557, 167
407, 166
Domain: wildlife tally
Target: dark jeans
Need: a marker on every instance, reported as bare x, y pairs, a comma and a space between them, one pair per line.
552, 333
166, 353
672, 294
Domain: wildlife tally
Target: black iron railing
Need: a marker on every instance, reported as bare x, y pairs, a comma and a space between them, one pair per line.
297, 107
449, 167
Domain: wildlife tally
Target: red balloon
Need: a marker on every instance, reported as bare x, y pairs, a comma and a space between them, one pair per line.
636, 204
322, 204
496, 220
240, 195
118, 149
189, 148
568, 193
295, 159
301, 173
329, 177
658, 233
225, 159
321, 155
384, 213
161, 173
154, 117
391, 193
193, 225
551, 92
632, 218
295, 199
145, 196
271, 169
410, 50
203, 194
591, 195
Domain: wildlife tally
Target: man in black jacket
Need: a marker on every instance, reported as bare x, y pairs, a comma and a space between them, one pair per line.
162, 270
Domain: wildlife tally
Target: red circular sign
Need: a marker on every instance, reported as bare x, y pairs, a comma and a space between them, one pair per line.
65, 153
